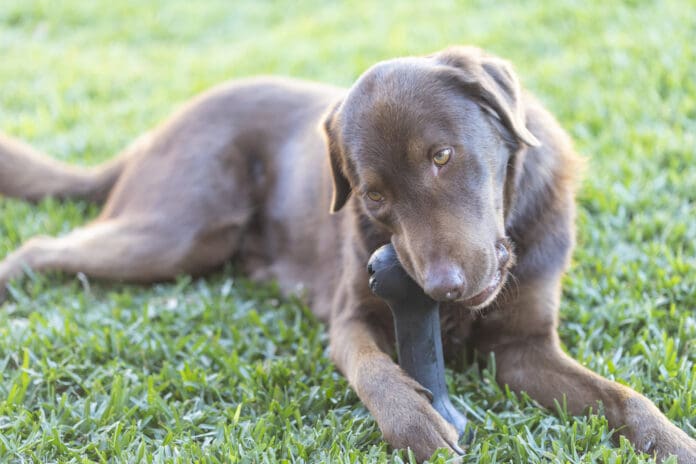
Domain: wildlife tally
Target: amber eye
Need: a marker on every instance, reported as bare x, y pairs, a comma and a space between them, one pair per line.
375, 196
442, 157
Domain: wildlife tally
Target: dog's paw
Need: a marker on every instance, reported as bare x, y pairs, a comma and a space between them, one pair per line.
416, 425
652, 433
670, 441
402, 409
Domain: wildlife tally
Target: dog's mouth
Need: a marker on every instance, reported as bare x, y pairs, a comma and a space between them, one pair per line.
488, 294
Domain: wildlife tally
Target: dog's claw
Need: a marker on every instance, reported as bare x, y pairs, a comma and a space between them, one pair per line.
428, 394
457, 449
649, 447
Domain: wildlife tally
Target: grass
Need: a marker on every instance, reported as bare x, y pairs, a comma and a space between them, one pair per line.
219, 370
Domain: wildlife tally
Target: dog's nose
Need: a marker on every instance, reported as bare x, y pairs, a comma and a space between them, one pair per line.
444, 283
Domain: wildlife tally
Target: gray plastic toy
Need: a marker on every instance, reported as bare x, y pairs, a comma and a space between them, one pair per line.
417, 325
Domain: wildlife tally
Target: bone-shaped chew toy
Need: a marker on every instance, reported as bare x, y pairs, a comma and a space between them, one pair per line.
417, 325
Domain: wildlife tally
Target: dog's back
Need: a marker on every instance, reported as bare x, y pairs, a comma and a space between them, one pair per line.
183, 197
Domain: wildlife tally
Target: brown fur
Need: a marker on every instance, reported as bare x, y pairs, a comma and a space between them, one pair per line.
251, 169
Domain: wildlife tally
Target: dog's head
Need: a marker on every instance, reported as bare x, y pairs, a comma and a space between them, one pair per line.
433, 147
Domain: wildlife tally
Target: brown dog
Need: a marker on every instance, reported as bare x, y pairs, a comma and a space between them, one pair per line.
470, 179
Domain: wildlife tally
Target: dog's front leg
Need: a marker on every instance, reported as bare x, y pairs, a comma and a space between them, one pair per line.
399, 404
529, 358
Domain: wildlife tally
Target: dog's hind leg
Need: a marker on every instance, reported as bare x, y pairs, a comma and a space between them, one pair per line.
28, 174
130, 250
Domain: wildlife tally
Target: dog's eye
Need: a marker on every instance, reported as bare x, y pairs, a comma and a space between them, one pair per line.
442, 157
375, 196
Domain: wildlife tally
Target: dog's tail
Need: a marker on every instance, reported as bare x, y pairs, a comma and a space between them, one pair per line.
25, 173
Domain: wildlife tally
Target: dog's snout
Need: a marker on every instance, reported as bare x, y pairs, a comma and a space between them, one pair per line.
444, 283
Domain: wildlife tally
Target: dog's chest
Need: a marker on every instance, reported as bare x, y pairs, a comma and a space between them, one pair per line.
455, 322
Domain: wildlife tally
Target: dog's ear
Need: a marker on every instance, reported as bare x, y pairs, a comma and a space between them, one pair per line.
341, 185
494, 82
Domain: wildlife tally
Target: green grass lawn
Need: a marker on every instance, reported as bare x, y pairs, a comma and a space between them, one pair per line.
219, 370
